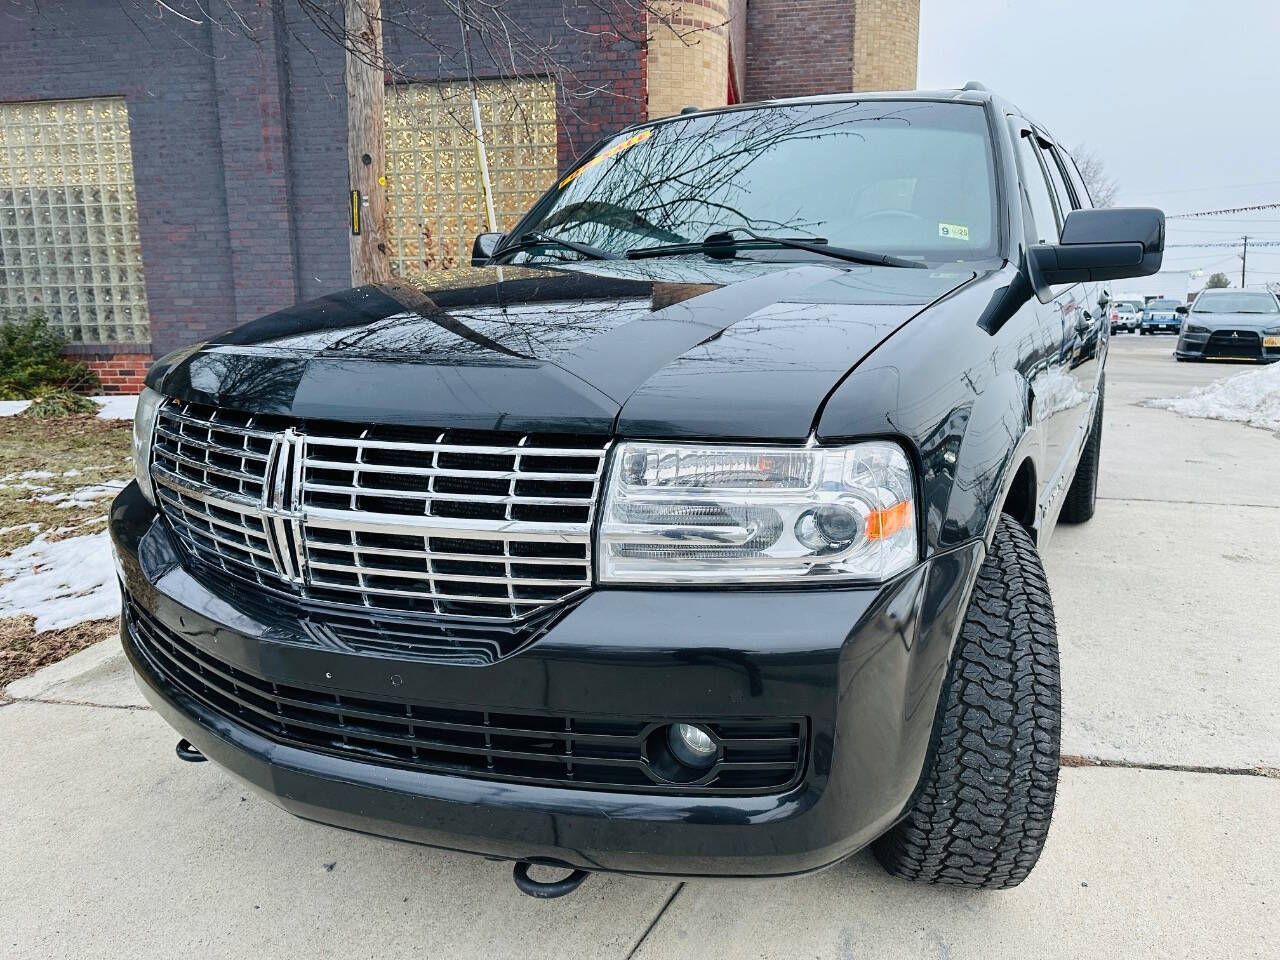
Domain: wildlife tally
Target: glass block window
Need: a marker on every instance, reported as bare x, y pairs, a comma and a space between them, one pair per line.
435, 199
69, 243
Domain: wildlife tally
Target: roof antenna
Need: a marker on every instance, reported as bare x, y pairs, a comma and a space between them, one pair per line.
688, 110
975, 85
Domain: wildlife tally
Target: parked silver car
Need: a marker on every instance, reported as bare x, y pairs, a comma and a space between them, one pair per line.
1237, 324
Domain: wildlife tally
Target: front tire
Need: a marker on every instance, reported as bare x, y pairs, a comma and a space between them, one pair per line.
1082, 495
982, 812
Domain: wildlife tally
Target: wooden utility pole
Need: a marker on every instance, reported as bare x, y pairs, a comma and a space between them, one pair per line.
366, 141
482, 155
1244, 259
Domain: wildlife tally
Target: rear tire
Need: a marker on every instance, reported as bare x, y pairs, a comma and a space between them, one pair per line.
1082, 495
981, 814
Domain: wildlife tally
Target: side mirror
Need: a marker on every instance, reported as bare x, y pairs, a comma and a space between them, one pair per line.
483, 248
1109, 244
1181, 311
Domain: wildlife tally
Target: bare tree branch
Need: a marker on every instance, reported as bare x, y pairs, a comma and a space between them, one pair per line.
1102, 188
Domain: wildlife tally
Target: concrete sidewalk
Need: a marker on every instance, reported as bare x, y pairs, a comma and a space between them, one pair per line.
111, 847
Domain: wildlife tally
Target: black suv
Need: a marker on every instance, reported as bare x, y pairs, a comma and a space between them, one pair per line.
692, 530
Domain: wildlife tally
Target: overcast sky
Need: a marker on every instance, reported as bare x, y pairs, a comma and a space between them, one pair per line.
1179, 98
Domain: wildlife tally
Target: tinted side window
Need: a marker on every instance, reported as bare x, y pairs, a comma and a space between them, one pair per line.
1066, 200
1045, 226
1077, 181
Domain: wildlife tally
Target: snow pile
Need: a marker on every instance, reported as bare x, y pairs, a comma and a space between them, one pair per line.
60, 583
109, 408
1252, 398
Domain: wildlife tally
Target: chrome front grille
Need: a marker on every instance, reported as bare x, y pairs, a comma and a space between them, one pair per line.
444, 522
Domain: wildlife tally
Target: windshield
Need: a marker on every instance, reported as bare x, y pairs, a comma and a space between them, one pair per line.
1132, 305
1242, 302
1163, 304
909, 178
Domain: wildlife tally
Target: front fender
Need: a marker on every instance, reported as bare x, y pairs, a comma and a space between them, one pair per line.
1001, 435
960, 397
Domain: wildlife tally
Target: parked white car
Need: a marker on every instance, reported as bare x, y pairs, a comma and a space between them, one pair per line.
1125, 314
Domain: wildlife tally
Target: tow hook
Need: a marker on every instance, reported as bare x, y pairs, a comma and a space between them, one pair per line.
545, 889
187, 752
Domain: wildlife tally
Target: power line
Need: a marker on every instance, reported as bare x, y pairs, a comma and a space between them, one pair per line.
1228, 219
1226, 243
1212, 213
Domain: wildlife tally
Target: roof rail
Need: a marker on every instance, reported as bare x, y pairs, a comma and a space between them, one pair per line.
975, 85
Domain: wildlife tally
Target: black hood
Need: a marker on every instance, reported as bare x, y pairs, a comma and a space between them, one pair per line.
682, 347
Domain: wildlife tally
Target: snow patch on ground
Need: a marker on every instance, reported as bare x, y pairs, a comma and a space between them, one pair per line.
116, 408
109, 408
1252, 398
84, 496
60, 583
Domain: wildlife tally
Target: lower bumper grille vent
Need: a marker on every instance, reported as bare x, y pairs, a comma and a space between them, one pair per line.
759, 756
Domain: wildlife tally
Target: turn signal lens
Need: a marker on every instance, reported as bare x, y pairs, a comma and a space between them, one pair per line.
883, 524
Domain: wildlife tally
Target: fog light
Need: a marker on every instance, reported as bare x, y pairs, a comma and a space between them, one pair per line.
691, 745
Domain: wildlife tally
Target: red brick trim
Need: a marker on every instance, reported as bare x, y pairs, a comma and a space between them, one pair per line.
119, 372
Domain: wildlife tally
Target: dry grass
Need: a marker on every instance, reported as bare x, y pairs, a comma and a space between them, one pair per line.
94, 451
23, 651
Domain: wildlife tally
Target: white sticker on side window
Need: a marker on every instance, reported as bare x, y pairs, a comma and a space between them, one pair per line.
953, 231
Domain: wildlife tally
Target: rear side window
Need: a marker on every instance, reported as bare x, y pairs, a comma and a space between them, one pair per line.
1077, 181
1044, 226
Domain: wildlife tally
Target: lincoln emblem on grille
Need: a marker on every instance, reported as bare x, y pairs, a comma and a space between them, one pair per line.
281, 508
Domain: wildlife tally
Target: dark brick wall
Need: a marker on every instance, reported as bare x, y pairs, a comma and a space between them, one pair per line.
798, 47
249, 85
316, 113
88, 49
239, 145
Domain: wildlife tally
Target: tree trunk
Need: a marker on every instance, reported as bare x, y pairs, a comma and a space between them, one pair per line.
366, 140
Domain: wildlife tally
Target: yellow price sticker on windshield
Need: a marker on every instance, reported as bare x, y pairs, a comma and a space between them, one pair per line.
638, 137
953, 231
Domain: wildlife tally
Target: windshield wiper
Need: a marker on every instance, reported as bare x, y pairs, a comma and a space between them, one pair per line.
724, 242
532, 239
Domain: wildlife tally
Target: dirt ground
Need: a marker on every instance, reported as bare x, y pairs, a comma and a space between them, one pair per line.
23, 651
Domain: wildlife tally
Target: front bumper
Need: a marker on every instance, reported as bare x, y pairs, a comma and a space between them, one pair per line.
864, 667
1211, 346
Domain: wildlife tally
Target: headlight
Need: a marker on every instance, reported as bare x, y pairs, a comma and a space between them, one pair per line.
685, 514
1194, 328
1272, 331
144, 426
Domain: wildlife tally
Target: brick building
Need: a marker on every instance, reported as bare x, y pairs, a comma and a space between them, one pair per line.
162, 180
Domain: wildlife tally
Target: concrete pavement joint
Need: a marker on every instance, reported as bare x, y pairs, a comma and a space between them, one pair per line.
77, 703
1270, 773
654, 922
1194, 503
